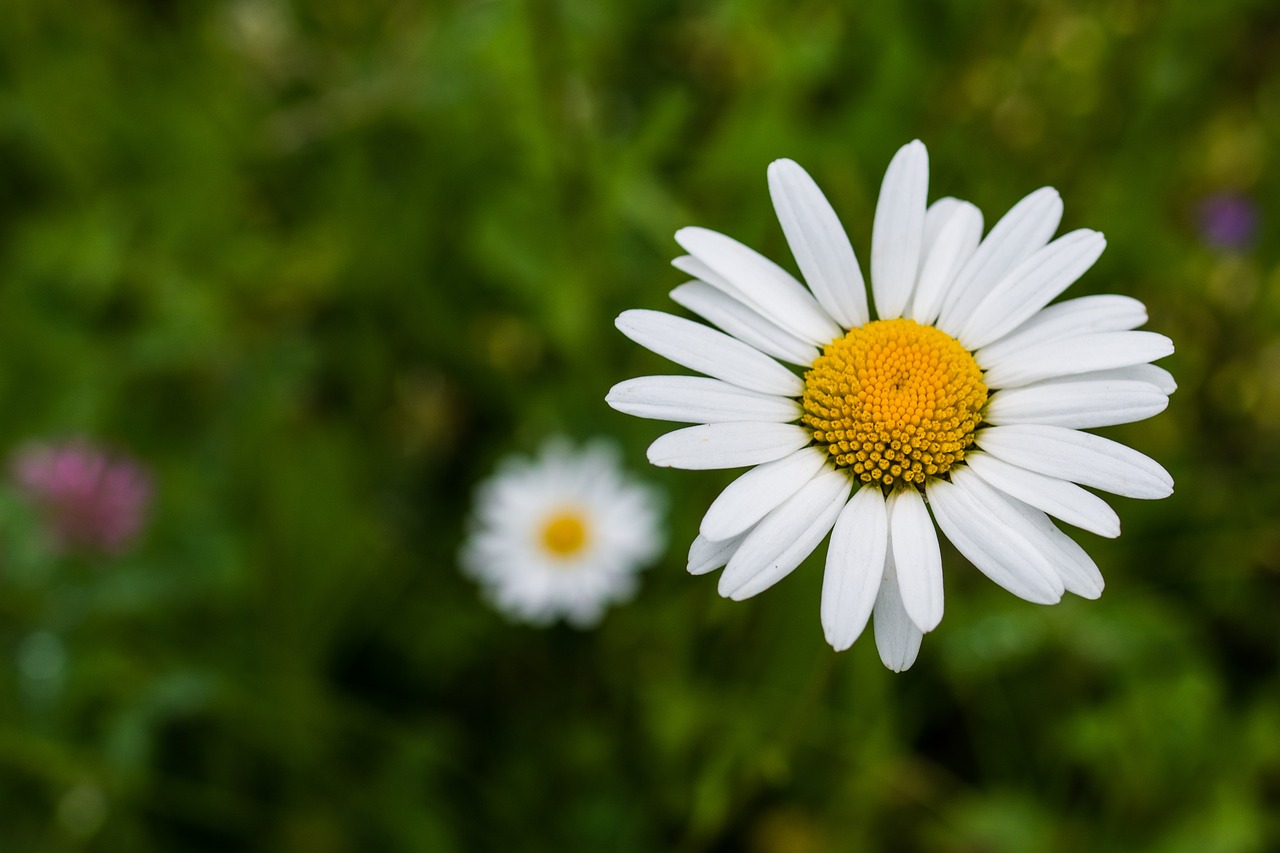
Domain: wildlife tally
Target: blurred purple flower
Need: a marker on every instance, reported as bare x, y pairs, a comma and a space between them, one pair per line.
1228, 220
90, 500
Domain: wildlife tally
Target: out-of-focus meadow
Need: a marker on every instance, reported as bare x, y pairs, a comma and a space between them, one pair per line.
317, 266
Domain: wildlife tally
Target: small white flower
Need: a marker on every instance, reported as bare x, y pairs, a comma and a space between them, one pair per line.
561, 535
965, 394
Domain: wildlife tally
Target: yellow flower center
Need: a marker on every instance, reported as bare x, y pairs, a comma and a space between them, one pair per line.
564, 534
894, 401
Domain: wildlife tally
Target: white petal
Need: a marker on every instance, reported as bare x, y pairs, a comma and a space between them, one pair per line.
1069, 356
706, 555
1080, 457
1077, 569
1022, 231
976, 520
1148, 373
898, 231
936, 216
1031, 285
746, 325
953, 247
897, 637
855, 564
917, 558
727, 445
786, 536
700, 348
1079, 405
762, 284
698, 400
1059, 498
819, 243
1080, 316
759, 491
699, 270
702, 271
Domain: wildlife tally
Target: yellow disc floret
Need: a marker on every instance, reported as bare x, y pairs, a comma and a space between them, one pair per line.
894, 401
564, 533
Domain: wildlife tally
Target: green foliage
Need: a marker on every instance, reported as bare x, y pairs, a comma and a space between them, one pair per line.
321, 264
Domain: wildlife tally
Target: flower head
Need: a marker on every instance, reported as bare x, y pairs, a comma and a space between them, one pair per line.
561, 535
90, 499
965, 393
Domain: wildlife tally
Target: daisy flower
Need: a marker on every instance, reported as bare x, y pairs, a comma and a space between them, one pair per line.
561, 535
956, 390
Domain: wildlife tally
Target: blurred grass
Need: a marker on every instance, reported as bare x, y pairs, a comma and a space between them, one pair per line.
321, 264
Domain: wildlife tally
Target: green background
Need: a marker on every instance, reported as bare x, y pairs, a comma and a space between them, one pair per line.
320, 265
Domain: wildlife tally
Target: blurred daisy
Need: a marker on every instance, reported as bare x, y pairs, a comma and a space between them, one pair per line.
562, 535
964, 393
89, 499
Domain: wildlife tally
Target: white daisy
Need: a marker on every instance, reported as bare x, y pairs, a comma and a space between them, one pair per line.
561, 535
965, 393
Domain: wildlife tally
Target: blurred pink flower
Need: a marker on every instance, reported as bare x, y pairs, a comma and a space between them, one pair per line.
90, 500
1228, 220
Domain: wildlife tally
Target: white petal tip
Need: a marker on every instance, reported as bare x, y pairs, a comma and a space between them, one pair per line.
839, 644
839, 637
928, 624
657, 460
914, 150
897, 657
1043, 596
714, 528
731, 592
689, 233
624, 321
839, 633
